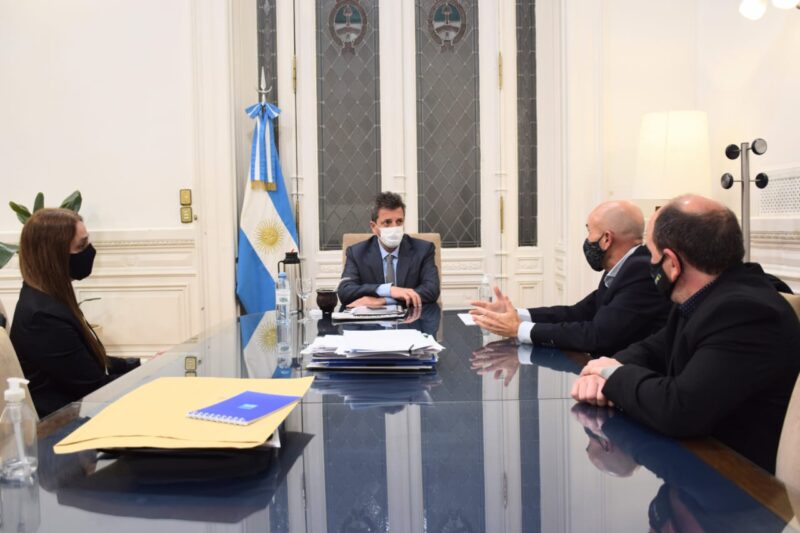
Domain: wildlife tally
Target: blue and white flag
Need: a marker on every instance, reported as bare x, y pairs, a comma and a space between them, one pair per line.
266, 229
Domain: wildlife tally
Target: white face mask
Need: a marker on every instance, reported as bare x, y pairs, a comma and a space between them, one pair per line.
391, 237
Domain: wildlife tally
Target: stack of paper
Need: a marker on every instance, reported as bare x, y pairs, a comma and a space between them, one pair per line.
398, 349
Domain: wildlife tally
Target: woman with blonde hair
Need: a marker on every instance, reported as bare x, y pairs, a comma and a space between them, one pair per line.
59, 352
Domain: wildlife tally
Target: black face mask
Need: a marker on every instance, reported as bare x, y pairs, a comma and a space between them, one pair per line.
80, 264
594, 254
663, 284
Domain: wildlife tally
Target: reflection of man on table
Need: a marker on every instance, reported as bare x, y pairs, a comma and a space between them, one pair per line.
726, 362
694, 496
389, 267
624, 309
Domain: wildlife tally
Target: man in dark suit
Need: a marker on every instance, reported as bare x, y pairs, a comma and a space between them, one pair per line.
625, 308
726, 362
389, 267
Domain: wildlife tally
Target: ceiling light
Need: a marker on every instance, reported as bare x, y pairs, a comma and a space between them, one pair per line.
753, 9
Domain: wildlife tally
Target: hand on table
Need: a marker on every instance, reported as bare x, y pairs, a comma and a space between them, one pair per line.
589, 389
596, 366
409, 296
367, 300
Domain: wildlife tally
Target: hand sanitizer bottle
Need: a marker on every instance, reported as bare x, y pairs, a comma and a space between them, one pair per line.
17, 435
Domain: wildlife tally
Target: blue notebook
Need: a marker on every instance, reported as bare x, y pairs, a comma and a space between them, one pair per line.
243, 408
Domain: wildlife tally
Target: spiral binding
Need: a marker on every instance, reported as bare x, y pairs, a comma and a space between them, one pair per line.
226, 419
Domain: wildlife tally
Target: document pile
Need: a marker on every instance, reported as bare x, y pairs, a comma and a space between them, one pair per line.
374, 350
369, 312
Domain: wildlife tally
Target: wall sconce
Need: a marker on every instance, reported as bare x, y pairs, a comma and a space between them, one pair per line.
672, 157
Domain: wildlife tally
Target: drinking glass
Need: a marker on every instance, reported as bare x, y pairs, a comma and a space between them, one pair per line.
305, 286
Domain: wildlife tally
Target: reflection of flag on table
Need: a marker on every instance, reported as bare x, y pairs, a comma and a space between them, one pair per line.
266, 229
262, 347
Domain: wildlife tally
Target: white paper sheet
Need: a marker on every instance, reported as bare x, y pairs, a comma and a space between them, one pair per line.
466, 318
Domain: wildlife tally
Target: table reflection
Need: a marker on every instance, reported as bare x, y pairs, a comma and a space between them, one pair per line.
693, 496
453, 450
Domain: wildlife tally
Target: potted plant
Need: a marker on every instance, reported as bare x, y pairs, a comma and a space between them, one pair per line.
71, 202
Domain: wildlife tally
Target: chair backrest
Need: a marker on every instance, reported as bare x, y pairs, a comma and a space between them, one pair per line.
794, 301
5, 323
787, 467
9, 367
349, 239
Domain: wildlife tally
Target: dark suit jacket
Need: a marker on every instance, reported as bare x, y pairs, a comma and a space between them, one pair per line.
415, 269
608, 319
53, 354
727, 371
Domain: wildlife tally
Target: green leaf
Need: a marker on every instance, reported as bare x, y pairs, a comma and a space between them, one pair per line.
38, 202
73, 201
7, 251
22, 212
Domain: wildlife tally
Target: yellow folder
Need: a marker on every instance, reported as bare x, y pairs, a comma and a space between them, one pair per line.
154, 416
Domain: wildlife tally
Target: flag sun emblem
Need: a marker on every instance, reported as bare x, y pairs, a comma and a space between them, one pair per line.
269, 235
267, 336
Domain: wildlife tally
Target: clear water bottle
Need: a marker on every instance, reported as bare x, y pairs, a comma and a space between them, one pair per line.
283, 337
485, 290
283, 297
18, 434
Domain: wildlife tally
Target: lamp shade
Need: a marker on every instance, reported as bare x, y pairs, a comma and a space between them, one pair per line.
673, 156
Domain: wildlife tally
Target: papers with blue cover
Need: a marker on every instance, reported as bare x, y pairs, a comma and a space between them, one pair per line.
243, 408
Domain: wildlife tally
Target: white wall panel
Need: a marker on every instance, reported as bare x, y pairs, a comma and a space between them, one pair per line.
148, 286
97, 96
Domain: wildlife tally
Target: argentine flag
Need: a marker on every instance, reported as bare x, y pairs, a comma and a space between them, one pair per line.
266, 229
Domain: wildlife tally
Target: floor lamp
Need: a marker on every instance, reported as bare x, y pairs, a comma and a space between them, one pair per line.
672, 157
758, 147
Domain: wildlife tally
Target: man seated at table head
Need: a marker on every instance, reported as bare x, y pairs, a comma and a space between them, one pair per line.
726, 362
625, 308
389, 267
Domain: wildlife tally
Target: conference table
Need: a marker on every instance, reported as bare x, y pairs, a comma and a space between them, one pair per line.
484, 443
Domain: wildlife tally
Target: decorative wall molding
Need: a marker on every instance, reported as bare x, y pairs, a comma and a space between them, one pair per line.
529, 265
149, 287
463, 267
776, 238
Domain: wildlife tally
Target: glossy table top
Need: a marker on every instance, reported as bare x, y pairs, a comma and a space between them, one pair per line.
482, 444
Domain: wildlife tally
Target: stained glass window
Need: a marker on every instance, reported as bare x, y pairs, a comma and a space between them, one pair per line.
448, 122
348, 86
526, 121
